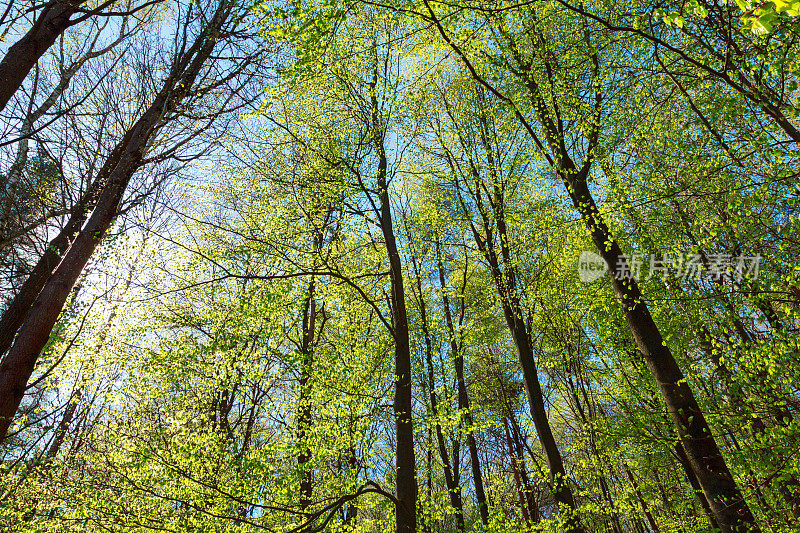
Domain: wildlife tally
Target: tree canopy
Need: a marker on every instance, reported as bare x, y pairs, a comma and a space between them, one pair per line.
413, 266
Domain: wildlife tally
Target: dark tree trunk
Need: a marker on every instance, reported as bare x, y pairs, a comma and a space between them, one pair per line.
645, 510
504, 277
699, 495
518, 439
530, 511
463, 400
16, 312
606, 491
352, 509
19, 363
406, 509
304, 402
450, 476
726, 501
34, 333
25, 53
559, 483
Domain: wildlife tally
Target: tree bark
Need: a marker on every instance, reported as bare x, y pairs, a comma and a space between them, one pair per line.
450, 475
19, 363
504, 276
726, 501
699, 495
647, 515
406, 508
16, 312
463, 399
53, 20
304, 402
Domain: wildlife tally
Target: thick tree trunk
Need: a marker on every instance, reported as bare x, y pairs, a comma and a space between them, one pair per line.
23, 55
16, 312
19, 363
705, 457
406, 514
699, 495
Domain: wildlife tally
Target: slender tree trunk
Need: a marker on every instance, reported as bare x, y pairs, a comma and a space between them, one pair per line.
517, 439
450, 479
304, 402
63, 426
727, 502
504, 277
645, 510
600, 458
463, 399
450, 476
352, 509
559, 483
606, 491
426, 518
23, 55
529, 511
406, 509
515, 471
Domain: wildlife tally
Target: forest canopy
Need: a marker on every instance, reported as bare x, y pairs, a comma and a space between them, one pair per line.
303, 266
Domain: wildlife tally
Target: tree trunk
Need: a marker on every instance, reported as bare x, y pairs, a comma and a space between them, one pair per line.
352, 508
705, 457
530, 512
304, 402
463, 400
16, 312
19, 363
647, 515
728, 504
53, 20
450, 476
406, 509
699, 495
504, 277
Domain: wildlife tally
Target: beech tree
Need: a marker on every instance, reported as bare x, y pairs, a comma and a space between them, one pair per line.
433, 266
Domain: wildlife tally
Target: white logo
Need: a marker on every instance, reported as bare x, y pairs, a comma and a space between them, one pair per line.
591, 267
